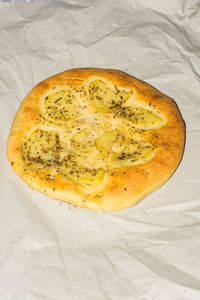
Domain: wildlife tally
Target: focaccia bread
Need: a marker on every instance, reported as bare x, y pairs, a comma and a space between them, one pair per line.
96, 138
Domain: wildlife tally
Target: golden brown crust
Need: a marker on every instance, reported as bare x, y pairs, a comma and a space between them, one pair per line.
123, 188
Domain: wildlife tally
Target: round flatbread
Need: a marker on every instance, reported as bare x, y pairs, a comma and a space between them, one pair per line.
96, 138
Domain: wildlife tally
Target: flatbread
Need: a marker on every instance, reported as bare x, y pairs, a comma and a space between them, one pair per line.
96, 138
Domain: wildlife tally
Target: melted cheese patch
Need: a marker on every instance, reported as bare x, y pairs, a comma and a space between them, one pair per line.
119, 150
86, 143
82, 143
140, 117
80, 174
104, 99
61, 106
42, 149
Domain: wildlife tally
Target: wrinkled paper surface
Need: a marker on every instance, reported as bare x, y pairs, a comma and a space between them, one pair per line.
53, 251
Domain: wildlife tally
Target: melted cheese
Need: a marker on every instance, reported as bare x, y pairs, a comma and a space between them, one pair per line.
80, 174
42, 148
119, 150
83, 144
61, 106
140, 117
104, 99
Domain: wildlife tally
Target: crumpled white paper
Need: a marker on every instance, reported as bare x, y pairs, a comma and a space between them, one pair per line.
53, 251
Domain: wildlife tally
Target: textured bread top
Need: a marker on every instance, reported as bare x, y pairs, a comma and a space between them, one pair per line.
96, 138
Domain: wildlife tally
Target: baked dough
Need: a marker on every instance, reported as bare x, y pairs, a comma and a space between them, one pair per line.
96, 138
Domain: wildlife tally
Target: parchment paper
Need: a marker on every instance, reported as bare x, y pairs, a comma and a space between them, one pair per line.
53, 251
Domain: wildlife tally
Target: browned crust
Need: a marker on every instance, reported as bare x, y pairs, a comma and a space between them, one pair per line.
126, 187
